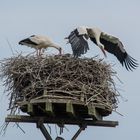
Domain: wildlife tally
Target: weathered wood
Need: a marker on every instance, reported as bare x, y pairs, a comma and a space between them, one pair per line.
52, 120
49, 108
94, 113
30, 108
53, 100
70, 109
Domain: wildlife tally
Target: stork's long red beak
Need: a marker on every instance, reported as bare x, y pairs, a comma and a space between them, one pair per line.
102, 49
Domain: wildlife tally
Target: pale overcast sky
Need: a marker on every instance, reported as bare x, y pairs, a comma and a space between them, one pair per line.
121, 18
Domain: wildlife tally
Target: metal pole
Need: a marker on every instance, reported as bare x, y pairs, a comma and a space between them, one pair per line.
78, 132
43, 129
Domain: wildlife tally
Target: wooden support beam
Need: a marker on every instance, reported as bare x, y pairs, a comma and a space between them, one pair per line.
30, 108
94, 113
45, 132
78, 132
69, 121
70, 109
49, 108
43, 129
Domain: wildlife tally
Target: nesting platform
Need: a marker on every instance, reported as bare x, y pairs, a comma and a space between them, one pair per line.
60, 90
52, 106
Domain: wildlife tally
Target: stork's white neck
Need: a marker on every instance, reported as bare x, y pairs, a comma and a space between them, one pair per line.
95, 33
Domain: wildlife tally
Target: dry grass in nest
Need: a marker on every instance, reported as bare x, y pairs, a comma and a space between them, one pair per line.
27, 77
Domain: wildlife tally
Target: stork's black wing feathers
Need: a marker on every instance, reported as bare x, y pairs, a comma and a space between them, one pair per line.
27, 41
78, 43
114, 45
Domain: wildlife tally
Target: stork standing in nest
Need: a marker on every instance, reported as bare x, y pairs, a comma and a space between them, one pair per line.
78, 40
39, 43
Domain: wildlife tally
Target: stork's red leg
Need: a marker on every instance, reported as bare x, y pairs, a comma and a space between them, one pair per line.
37, 52
43, 50
40, 51
60, 51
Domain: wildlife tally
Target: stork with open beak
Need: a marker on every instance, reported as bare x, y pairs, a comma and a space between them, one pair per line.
107, 43
39, 43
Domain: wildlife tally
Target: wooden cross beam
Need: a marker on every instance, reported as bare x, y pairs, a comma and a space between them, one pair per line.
67, 121
40, 120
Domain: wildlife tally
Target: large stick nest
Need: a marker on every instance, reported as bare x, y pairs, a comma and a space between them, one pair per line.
27, 77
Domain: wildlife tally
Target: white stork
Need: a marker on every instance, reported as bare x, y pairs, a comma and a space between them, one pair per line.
39, 42
78, 40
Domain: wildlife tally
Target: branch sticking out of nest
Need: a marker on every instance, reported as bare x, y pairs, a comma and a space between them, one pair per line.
27, 77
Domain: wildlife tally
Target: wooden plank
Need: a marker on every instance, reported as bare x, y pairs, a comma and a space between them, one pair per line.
57, 101
91, 108
55, 120
70, 109
49, 108
94, 113
30, 108
60, 100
